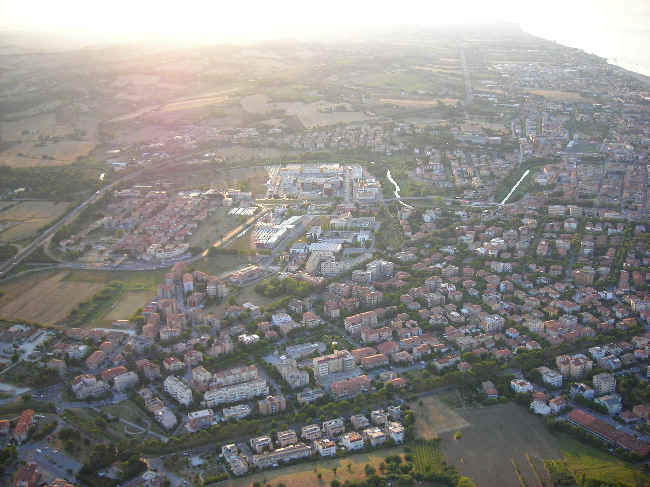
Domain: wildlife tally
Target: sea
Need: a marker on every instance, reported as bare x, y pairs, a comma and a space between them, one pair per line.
626, 45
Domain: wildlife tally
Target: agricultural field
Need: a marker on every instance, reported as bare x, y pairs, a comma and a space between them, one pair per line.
306, 474
433, 417
585, 463
25, 219
44, 298
316, 114
500, 445
55, 153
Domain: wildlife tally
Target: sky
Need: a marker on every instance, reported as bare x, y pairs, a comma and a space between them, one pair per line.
610, 28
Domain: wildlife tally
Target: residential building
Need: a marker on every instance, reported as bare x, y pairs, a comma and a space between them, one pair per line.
604, 383
334, 427
261, 443
287, 437
272, 405
202, 419
310, 432
236, 393
178, 390
352, 441
325, 447
374, 436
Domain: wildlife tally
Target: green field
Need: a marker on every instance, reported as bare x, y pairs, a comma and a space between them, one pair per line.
585, 463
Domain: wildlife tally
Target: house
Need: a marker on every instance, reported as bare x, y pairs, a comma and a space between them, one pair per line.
395, 431
25, 422
95, 359
611, 402
521, 386
489, 389
557, 404
550, 377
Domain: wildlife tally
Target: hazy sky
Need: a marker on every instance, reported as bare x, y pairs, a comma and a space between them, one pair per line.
607, 27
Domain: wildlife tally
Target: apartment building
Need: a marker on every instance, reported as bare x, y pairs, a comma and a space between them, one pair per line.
310, 432
125, 381
338, 361
237, 412
87, 385
350, 387
286, 454
236, 393
178, 390
334, 427
202, 419
261, 443
374, 436
325, 447
353, 441
287, 437
604, 384
272, 405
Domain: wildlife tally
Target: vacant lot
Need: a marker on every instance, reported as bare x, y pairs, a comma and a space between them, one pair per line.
497, 439
418, 103
126, 306
560, 95
25, 219
44, 298
306, 474
433, 417
256, 104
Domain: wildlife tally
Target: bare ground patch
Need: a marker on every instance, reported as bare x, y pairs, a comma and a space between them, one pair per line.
433, 417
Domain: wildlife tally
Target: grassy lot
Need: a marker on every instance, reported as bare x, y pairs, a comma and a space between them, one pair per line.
220, 263
433, 417
131, 412
28, 217
208, 232
126, 306
586, 463
306, 474
44, 298
497, 439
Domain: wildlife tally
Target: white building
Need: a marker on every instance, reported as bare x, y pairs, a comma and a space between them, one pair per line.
178, 390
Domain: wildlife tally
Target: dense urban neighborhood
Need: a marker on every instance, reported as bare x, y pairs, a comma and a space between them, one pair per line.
360, 290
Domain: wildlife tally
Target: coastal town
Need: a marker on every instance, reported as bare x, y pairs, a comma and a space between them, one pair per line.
502, 258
